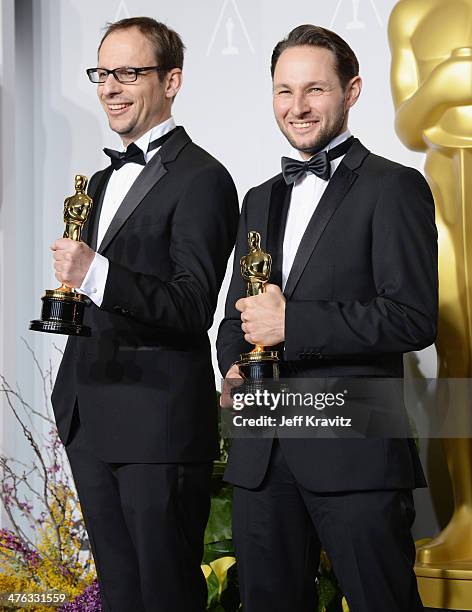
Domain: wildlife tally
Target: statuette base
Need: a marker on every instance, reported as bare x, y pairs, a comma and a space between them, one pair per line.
62, 313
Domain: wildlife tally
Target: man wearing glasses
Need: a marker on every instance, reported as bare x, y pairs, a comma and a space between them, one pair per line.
135, 403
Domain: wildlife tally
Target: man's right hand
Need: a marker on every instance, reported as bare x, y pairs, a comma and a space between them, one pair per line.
232, 380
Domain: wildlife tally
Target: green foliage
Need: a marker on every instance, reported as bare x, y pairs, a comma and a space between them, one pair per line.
213, 585
218, 536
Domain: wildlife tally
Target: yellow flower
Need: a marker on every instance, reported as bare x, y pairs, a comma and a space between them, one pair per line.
220, 567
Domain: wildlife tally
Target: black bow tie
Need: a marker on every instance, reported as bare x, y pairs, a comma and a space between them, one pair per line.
133, 153
319, 164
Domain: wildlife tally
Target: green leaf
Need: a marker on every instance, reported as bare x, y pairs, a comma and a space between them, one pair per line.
213, 586
326, 592
215, 550
219, 521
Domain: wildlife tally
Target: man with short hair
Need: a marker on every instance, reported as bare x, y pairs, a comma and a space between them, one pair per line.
353, 287
135, 402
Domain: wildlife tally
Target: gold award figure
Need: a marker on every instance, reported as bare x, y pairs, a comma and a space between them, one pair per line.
63, 308
255, 270
76, 209
431, 77
255, 266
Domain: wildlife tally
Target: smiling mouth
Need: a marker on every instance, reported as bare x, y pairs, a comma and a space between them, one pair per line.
303, 125
118, 109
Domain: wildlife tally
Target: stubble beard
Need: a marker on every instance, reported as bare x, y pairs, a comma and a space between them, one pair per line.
324, 136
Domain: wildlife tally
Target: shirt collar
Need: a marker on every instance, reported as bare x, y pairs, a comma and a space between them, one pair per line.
156, 132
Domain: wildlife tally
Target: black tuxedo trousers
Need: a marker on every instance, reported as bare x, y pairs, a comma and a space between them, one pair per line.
145, 523
280, 527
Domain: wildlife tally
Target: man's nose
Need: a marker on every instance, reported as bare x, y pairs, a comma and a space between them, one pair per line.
111, 85
300, 104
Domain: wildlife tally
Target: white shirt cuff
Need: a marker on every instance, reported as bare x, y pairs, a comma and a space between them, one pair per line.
95, 280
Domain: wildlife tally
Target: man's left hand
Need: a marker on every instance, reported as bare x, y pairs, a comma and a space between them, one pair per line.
72, 260
263, 317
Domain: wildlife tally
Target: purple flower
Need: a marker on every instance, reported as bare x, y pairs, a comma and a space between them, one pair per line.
26, 507
88, 601
11, 541
53, 469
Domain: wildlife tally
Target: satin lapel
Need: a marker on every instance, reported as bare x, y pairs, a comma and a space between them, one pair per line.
276, 220
90, 230
260, 222
148, 177
334, 194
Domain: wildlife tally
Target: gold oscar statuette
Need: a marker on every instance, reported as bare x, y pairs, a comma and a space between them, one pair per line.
63, 308
431, 77
259, 364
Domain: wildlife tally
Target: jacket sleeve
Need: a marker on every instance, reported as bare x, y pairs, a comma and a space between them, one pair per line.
202, 235
402, 316
230, 342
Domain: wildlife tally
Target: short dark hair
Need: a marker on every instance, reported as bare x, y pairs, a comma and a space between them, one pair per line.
346, 64
168, 45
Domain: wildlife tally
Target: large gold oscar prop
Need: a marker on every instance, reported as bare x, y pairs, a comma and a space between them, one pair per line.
63, 308
259, 364
431, 42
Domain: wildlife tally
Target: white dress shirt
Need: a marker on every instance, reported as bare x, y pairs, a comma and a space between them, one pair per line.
306, 194
118, 186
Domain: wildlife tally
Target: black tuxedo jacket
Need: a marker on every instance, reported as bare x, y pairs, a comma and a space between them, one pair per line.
143, 381
362, 291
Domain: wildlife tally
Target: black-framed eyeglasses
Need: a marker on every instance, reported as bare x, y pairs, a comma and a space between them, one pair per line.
125, 74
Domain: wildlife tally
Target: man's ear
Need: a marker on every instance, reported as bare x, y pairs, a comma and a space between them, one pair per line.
173, 82
352, 92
